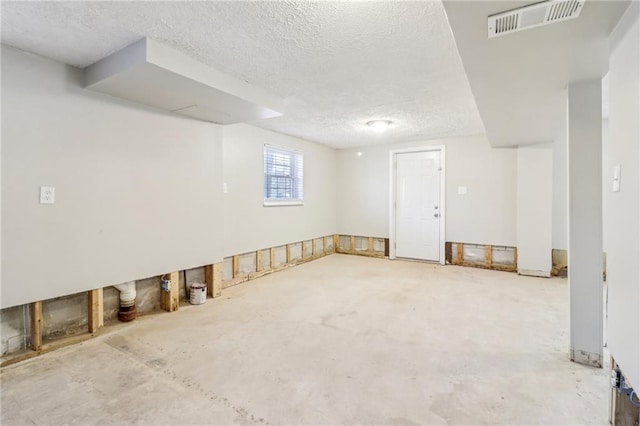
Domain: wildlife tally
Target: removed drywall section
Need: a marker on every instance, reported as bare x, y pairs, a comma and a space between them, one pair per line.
138, 191
485, 214
248, 224
15, 323
623, 207
64, 316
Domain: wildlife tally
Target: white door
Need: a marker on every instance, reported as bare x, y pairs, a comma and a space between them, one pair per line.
418, 207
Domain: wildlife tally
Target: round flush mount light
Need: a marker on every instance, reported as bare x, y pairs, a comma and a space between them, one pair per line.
379, 125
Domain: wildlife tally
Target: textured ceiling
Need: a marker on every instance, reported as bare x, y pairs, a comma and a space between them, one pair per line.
337, 65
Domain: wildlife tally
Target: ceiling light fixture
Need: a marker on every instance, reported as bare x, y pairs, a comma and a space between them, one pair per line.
379, 125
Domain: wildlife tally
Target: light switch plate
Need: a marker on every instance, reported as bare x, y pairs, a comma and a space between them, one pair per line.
462, 190
47, 195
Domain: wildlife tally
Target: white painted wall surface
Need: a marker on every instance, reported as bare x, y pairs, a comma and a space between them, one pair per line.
623, 209
535, 181
559, 190
485, 215
248, 224
584, 182
138, 191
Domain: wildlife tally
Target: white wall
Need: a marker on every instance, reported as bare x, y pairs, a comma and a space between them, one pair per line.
535, 165
623, 208
559, 190
138, 191
486, 215
248, 224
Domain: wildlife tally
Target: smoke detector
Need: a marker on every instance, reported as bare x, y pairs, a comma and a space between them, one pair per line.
534, 15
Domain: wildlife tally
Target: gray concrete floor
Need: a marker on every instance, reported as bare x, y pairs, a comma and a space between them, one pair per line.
340, 340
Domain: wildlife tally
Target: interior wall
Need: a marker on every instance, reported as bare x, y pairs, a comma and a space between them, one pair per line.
559, 201
485, 215
623, 208
535, 182
138, 190
248, 224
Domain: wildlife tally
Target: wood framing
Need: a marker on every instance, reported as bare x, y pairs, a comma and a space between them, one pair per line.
460, 253
488, 255
95, 310
304, 249
336, 242
213, 279
369, 251
258, 260
236, 266
170, 300
272, 257
36, 326
487, 261
289, 252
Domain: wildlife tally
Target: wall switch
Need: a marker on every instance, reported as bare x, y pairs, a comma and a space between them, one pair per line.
462, 190
616, 177
47, 195
225, 189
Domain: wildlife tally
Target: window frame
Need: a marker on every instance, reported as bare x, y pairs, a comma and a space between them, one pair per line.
296, 176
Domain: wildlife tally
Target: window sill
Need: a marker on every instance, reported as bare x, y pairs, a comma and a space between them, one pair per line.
274, 203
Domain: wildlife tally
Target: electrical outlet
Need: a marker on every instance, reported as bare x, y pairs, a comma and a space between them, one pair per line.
47, 195
462, 190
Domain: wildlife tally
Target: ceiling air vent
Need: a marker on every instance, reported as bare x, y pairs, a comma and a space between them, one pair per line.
535, 15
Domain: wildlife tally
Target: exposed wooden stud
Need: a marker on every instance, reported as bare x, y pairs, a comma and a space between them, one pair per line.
304, 249
336, 242
217, 280
170, 300
352, 244
208, 279
325, 246
460, 254
36, 326
95, 310
258, 260
488, 254
370, 247
288, 253
236, 266
515, 257
314, 251
272, 257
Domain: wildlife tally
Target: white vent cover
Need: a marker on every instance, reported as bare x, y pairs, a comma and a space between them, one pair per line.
535, 15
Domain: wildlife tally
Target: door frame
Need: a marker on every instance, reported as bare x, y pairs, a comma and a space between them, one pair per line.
392, 196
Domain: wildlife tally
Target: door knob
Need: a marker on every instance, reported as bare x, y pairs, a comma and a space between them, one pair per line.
435, 207
436, 215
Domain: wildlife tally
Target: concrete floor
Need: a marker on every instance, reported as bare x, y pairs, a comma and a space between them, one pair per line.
340, 340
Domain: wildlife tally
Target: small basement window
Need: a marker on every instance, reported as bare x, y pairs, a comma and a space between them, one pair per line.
283, 177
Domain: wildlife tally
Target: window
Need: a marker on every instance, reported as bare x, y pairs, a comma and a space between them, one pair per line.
283, 176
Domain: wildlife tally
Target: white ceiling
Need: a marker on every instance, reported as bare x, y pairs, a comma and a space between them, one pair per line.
336, 65
519, 80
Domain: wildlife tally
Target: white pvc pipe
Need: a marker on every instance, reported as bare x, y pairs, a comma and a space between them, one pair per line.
127, 293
